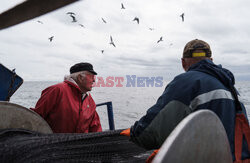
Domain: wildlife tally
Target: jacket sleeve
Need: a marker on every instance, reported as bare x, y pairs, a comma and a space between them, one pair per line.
159, 128
95, 125
153, 128
47, 101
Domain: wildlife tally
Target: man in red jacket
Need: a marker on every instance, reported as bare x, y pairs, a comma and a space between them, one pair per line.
68, 106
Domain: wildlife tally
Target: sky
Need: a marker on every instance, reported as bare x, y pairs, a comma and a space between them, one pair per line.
223, 24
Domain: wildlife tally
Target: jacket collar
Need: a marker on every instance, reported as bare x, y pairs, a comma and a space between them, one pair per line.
72, 82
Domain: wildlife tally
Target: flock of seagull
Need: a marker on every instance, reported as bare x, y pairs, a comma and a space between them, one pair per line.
136, 19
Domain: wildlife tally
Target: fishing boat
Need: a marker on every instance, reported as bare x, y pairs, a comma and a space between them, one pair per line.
26, 137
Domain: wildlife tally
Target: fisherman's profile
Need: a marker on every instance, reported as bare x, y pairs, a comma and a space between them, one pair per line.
68, 106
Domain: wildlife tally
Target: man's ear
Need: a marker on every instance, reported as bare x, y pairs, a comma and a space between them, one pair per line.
184, 64
79, 76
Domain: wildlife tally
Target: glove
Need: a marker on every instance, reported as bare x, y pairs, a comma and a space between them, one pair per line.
125, 132
152, 156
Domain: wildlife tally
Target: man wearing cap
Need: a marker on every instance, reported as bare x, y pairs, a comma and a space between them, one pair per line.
204, 85
68, 106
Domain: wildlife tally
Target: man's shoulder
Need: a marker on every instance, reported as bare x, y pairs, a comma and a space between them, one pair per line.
192, 75
54, 87
187, 75
57, 85
195, 79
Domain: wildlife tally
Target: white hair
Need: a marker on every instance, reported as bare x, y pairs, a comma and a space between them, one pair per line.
75, 75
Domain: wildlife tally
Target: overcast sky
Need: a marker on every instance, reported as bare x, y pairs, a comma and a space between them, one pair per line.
223, 24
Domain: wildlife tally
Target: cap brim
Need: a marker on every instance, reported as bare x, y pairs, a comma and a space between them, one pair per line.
93, 72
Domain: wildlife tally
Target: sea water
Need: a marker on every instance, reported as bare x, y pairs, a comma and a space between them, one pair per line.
129, 103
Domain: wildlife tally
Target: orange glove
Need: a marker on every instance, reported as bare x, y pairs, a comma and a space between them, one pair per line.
152, 156
125, 132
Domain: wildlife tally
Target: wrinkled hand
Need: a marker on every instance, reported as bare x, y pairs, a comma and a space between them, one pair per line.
125, 132
152, 156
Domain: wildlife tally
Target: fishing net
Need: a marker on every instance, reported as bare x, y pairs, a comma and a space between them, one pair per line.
19, 145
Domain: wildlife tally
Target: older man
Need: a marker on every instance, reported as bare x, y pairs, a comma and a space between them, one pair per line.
68, 106
204, 85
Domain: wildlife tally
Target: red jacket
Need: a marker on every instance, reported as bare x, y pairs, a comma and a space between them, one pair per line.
62, 107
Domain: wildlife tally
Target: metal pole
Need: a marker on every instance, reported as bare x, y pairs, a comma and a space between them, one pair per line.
110, 114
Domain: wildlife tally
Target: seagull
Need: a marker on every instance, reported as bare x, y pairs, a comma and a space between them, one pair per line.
70, 13
136, 19
111, 41
104, 21
151, 29
102, 51
40, 22
159, 40
74, 18
122, 6
51, 38
182, 16
82, 25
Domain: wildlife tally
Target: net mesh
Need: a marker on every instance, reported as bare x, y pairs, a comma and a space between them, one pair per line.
18, 145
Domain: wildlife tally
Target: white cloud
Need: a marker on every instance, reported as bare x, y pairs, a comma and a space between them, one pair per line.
223, 24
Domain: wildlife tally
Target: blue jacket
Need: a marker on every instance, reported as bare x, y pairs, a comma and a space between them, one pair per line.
204, 86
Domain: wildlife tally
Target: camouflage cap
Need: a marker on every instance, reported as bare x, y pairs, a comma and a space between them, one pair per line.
196, 44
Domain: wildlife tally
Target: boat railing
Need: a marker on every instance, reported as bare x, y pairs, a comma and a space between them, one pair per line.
110, 114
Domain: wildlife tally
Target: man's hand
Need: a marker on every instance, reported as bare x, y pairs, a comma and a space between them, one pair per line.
125, 132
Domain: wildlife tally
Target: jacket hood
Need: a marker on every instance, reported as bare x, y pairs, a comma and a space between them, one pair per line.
70, 81
222, 74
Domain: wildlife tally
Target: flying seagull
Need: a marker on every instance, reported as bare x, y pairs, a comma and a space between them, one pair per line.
82, 25
182, 17
40, 22
70, 13
122, 6
73, 18
136, 19
39, 7
104, 21
159, 40
51, 38
151, 29
111, 41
